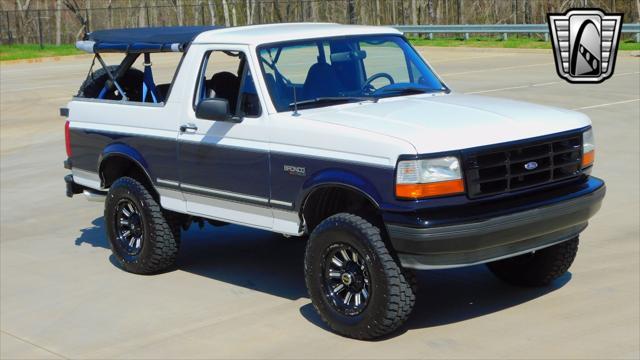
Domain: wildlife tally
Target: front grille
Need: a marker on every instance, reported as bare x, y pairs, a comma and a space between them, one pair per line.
502, 169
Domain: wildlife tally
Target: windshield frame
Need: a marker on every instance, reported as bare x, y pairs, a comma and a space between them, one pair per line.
418, 56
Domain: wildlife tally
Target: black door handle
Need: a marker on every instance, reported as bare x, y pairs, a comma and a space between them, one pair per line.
188, 126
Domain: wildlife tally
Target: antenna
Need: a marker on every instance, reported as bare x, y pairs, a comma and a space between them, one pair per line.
295, 101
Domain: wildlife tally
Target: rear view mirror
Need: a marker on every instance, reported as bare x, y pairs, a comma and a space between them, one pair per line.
215, 109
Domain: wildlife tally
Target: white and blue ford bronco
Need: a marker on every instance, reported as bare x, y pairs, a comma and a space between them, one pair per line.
340, 133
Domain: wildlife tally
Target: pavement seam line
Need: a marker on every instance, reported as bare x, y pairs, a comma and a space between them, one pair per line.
607, 104
496, 69
536, 85
35, 345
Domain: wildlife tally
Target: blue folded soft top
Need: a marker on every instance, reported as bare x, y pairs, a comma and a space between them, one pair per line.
139, 40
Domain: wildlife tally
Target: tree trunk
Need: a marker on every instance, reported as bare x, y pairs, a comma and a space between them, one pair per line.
314, 11
233, 14
225, 10
110, 14
212, 11
141, 18
22, 27
248, 8
89, 14
430, 11
527, 11
179, 12
58, 22
414, 12
394, 15
351, 10
276, 11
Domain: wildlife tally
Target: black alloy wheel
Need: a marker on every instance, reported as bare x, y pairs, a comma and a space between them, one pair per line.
129, 227
347, 280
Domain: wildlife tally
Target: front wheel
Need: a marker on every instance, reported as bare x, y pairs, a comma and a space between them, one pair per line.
538, 268
143, 238
353, 282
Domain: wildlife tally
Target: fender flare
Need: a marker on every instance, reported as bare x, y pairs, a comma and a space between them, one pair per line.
124, 151
338, 178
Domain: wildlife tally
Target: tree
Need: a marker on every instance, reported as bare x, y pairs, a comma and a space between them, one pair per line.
212, 11
225, 10
414, 13
58, 21
177, 5
75, 9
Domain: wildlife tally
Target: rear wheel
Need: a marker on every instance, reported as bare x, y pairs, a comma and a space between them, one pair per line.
142, 237
538, 268
354, 283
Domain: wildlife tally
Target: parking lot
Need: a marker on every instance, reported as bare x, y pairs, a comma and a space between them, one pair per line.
240, 293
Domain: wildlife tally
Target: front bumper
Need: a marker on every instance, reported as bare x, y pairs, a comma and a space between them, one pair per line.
495, 237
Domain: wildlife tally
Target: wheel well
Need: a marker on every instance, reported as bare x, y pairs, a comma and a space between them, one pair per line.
331, 200
116, 166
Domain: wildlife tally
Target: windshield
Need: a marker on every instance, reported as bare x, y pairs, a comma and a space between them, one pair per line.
322, 72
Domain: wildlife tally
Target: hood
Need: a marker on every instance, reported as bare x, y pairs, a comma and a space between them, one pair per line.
435, 123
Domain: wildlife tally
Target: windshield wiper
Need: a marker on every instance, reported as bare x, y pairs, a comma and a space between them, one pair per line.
333, 99
411, 90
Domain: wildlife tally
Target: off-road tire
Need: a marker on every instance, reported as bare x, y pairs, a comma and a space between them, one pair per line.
539, 268
131, 83
161, 238
391, 297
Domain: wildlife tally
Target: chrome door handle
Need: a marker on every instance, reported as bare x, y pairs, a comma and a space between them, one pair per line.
188, 126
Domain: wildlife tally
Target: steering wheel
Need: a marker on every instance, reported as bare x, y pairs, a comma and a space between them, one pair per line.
369, 89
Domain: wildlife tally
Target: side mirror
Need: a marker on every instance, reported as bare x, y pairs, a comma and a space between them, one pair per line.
215, 109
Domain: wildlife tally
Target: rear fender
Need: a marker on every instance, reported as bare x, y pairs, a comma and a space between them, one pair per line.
125, 151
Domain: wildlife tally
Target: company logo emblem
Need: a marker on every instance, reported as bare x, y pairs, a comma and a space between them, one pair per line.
531, 165
295, 170
585, 43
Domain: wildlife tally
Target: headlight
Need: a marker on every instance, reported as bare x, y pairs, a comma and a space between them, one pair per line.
588, 148
417, 179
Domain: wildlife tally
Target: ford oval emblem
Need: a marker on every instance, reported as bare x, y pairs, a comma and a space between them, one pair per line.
531, 165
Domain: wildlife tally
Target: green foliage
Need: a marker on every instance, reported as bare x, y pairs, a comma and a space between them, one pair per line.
31, 51
513, 41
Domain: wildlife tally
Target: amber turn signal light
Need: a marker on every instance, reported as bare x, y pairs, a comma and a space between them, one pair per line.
588, 158
418, 191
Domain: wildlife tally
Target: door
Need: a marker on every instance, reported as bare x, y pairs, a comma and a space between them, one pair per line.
224, 166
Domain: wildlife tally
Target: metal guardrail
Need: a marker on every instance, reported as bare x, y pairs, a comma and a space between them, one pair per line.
503, 29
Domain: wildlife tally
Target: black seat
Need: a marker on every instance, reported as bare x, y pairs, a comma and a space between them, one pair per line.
225, 85
162, 90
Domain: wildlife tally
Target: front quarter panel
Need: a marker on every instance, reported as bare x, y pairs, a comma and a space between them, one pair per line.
307, 154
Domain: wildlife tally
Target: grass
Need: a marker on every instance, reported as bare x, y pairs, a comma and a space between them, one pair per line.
32, 51
496, 42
